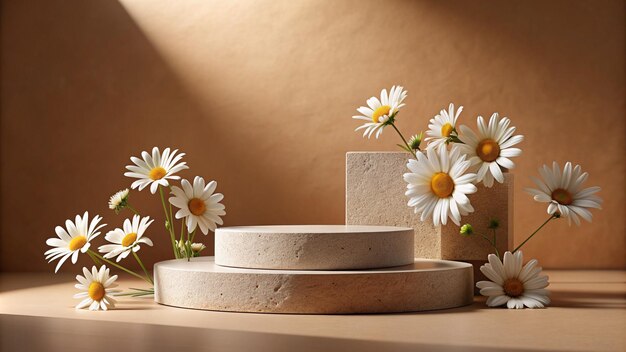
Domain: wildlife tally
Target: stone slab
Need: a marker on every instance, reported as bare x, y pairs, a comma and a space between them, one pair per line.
423, 285
375, 196
495, 202
314, 247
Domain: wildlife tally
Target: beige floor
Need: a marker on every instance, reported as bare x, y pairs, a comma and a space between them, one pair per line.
588, 314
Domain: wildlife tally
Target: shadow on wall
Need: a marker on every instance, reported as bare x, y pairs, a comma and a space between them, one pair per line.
82, 91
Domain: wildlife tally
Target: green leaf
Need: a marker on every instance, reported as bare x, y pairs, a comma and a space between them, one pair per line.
404, 148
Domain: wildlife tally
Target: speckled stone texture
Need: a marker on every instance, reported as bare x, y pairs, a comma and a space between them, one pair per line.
375, 196
424, 285
314, 247
495, 202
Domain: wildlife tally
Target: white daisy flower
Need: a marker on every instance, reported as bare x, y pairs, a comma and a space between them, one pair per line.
564, 192
73, 239
380, 113
441, 126
155, 169
512, 284
127, 239
119, 200
97, 286
490, 149
198, 204
438, 186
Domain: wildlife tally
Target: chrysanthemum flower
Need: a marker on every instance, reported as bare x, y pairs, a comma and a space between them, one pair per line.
127, 239
491, 148
564, 193
512, 284
155, 169
441, 126
119, 200
380, 113
73, 239
198, 204
438, 185
97, 287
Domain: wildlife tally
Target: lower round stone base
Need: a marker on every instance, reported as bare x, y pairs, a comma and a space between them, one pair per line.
423, 285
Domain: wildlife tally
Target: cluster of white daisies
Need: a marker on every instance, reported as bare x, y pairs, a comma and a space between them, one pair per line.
198, 207
455, 160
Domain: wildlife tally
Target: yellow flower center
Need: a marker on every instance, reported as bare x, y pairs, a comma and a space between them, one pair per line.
77, 243
196, 206
157, 173
96, 291
446, 130
442, 185
513, 287
380, 111
562, 196
129, 239
488, 150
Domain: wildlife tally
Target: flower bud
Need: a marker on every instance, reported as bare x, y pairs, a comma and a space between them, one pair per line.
197, 247
119, 200
467, 230
415, 141
494, 223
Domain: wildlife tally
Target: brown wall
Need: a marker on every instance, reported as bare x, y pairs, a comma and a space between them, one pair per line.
259, 94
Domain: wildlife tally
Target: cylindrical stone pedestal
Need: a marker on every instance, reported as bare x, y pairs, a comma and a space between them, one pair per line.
314, 247
423, 285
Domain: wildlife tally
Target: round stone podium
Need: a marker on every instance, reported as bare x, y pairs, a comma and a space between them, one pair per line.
423, 285
314, 247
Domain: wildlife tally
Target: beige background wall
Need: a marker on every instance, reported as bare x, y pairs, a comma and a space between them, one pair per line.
259, 94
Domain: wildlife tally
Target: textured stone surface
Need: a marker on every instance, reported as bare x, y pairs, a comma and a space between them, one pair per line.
423, 285
495, 202
375, 196
314, 247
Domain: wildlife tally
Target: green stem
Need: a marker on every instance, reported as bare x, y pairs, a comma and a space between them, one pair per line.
494, 244
172, 219
118, 266
193, 234
138, 292
142, 289
143, 267
531, 235
408, 147
455, 139
182, 229
490, 242
133, 209
188, 253
169, 222
95, 260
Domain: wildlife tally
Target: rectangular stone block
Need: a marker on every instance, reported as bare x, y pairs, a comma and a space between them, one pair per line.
375, 196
